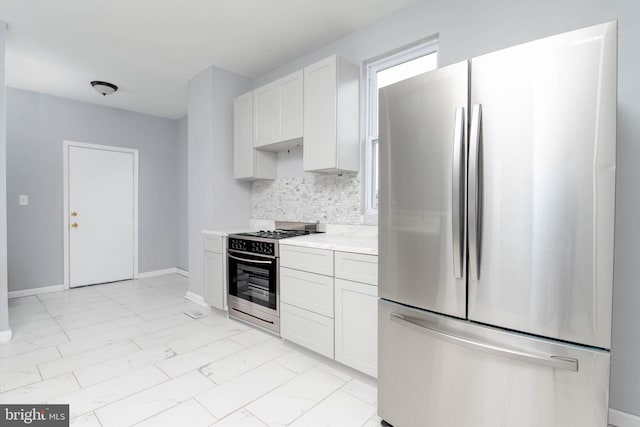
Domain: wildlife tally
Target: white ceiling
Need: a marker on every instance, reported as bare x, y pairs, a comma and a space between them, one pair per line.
152, 48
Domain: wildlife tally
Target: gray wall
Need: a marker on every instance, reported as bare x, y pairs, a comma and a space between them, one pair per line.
37, 125
215, 198
468, 29
4, 310
182, 200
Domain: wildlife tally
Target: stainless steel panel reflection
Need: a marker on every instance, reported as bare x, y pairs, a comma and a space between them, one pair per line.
417, 125
255, 314
547, 182
424, 380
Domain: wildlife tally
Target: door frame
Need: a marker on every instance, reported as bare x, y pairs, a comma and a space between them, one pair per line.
65, 209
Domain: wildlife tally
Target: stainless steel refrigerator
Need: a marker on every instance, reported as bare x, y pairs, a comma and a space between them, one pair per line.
496, 220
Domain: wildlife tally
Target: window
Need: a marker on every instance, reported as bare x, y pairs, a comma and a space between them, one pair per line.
381, 72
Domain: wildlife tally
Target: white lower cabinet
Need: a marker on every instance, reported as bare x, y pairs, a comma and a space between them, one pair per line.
356, 325
215, 272
334, 313
311, 330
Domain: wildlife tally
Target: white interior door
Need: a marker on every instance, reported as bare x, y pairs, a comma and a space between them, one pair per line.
101, 215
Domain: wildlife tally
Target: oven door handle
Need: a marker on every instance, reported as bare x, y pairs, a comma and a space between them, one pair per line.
249, 260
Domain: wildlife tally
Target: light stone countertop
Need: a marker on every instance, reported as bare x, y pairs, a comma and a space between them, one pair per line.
224, 232
336, 242
357, 239
254, 225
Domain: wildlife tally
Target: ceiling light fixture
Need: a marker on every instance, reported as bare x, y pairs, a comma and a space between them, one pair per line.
104, 88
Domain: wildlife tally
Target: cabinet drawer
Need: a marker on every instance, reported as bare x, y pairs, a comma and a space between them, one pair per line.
357, 267
307, 290
213, 243
314, 260
308, 329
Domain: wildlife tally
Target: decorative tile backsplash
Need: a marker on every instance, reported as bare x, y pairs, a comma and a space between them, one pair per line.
326, 198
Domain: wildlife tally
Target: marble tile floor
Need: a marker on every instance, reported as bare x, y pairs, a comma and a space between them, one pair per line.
125, 354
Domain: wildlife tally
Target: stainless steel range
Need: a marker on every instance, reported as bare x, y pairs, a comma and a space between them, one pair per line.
253, 263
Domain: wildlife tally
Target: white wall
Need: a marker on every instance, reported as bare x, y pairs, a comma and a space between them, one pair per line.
466, 29
37, 125
215, 198
4, 309
182, 200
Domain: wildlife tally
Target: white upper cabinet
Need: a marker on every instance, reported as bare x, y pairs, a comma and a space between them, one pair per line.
248, 163
278, 113
331, 119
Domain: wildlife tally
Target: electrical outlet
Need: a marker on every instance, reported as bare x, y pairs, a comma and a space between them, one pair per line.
23, 200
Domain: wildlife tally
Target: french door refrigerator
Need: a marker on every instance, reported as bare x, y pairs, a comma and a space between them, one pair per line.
496, 220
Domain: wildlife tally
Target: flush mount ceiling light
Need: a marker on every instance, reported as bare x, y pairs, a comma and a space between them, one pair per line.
103, 87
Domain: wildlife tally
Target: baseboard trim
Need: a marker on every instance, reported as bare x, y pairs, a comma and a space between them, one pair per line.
35, 291
154, 273
623, 419
5, 336
196, 298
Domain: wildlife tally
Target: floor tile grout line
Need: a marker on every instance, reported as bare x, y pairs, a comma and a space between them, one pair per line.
124, 397
245, 406
208, 411
252, 369
148, 388
73, 373
172, 407
218, 340
257, 417
100, 361
297, 375
319, 402
351, 394
23, 385
57, 323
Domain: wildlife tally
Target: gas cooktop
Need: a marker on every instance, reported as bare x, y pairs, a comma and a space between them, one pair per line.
275, 234
282, 231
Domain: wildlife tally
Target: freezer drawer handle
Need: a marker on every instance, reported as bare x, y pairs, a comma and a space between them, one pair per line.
558, 362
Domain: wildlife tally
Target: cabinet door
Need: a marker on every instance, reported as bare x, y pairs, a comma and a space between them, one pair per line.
320, 115
356, 325
266, 110
291, 106
242, 136
248, 163
214, 280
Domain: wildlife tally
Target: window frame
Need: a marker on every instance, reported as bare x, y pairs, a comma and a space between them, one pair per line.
371, 68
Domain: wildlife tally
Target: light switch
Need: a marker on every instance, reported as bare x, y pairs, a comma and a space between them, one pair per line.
23, 200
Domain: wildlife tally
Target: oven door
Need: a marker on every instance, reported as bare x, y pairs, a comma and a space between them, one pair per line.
253, 288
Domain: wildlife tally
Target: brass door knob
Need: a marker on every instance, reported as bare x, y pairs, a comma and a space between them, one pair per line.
74, 213
74, 225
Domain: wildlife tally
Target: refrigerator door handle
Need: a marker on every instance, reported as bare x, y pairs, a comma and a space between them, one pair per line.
548, 360
458, 194
474, 213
